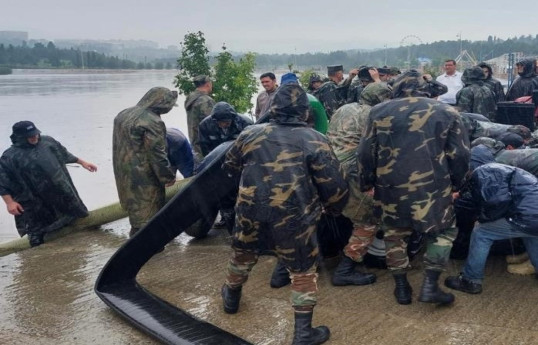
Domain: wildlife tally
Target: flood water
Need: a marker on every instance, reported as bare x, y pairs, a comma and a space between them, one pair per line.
78, 108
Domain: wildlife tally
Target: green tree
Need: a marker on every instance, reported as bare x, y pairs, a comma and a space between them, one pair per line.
235, 82
304, 78
192, 62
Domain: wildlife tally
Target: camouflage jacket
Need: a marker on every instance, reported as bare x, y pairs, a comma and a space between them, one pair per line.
478, 99
332, 96
287, 173
139, 154
37, 178
345, 132
496, 87
354, 91
198, 106
415, 152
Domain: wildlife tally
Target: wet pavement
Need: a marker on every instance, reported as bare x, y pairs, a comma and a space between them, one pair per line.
46, 297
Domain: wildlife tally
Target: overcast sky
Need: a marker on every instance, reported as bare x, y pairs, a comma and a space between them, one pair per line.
272, 26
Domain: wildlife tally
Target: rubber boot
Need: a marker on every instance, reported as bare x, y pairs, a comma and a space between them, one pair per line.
306, 335
345, 274
36, 239
230, 298
280, 276
403, 290
430, 292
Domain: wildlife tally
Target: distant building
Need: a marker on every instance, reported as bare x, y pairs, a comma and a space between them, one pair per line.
500, 65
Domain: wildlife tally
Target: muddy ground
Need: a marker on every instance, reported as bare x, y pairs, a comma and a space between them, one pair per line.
46, 297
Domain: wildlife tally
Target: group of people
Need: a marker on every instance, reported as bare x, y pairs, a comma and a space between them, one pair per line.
396, 159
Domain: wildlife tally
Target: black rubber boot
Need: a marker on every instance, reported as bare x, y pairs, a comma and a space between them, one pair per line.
430, 292
462, 284
230, 298
280, 276
345, 274
305, 334
36, 239
403, 290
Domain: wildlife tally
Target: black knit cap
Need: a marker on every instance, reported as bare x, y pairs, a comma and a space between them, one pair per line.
25, 129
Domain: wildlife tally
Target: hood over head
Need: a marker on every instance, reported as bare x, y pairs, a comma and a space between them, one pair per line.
160, 100
23, 130
490, 70
529, 66
223, 111
290, 104
473, 75
412, 84
375, 93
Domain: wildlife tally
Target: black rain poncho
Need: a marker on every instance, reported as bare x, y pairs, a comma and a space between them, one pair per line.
36, 177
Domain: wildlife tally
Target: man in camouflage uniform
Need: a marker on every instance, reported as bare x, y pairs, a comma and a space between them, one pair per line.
288, 174
414, 154
333, 93
475, 97
493, 84
198, 106
345, 132
139, 156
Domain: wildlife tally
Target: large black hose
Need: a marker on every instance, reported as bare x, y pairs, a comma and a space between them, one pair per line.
117, 285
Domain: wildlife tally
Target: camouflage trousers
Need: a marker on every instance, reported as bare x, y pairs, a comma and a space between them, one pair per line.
359, 209
438, 246
303, 284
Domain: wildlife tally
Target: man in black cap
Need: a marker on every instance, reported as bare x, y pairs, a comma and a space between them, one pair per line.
333, 94
198, 106
35, 183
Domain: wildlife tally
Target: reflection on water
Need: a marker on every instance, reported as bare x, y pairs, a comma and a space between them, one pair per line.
77, 108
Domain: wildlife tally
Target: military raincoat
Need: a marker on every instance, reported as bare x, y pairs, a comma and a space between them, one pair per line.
139, 155
475, 97
415, 152
288, 174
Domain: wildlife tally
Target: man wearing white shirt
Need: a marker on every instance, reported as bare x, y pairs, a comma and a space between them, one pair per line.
452, 79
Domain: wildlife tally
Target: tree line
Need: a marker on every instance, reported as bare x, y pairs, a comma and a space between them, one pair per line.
409, 55
48, 56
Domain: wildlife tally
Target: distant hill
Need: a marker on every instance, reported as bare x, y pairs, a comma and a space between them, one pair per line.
405, 56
